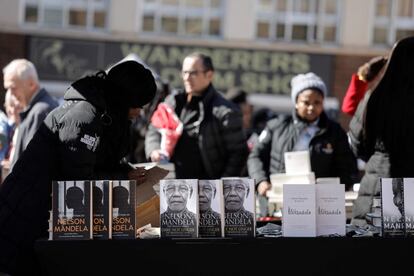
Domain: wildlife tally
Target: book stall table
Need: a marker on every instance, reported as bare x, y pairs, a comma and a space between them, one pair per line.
293, 256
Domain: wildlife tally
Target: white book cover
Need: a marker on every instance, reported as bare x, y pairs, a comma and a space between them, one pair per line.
330, 209
392, 207
277, 180
239, 207
123, 209
211, 208
409, 206
299, 218
179, 208
297, 162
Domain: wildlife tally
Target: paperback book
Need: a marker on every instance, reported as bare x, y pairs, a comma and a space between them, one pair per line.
409, 206
239, 207
299, 216
102, 209
123, 209
71, 210
330, 209
210, 198
179, 208
392, 207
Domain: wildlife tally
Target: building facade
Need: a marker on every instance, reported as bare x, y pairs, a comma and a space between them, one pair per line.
256, 44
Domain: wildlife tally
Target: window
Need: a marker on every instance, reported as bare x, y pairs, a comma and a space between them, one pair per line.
199, 18
71, 14
311, 21
394, 19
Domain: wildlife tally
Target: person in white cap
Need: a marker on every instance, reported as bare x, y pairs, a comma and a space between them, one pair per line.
308, 128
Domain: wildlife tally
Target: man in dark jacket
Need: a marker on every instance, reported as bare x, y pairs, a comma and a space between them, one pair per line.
20, 77
212, 144
308, 128
85, 138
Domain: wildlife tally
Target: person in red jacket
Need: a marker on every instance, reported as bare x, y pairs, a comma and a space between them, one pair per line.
359, 83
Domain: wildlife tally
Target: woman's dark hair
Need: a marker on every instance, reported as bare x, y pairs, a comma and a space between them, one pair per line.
389, 115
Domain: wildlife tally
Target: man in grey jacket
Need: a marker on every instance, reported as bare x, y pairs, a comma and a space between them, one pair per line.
20, 77
212, 144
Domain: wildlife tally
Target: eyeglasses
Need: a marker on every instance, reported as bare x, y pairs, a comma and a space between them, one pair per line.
192, 74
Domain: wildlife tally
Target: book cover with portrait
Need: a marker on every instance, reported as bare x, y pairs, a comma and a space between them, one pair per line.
239, 207
71, 210
409, 206
123, 209
179, 208
102, 209
392, 207
211, 208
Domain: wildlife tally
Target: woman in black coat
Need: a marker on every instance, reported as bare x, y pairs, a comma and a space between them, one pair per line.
85, 138
383, 133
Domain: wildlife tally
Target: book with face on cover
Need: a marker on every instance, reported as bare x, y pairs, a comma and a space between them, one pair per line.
409, 206
211, 208
123, 209
239, 207
102, 209
71, 210
392, 207
179, 208
298, 215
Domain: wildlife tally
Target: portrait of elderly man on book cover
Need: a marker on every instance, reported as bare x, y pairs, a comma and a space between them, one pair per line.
238, 200
179, 200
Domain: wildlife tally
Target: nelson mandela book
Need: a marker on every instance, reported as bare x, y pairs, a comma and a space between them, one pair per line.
239, 207
71, 210
123, 209
179, 208
392, 207
211, 207
102, 209
409, 206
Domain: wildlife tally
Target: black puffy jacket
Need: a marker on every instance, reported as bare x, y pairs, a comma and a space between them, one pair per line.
84, 138
221, 140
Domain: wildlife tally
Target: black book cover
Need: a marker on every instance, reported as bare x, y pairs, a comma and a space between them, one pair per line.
123, 209
102, 209
71, 210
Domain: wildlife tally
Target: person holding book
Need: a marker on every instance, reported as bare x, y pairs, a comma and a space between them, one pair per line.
383, 134
212, 144
307, 128
87, 138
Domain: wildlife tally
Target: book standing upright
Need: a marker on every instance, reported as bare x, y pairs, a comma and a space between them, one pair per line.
123, 209
239, 207
211, 219
71, 210
102, 209
179, 208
